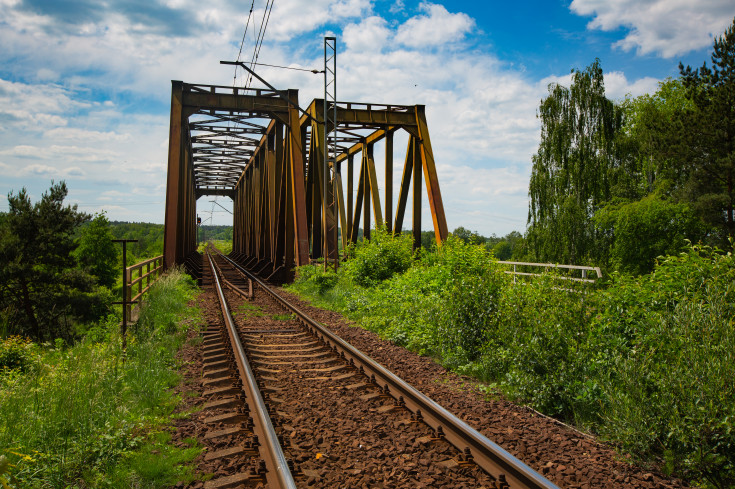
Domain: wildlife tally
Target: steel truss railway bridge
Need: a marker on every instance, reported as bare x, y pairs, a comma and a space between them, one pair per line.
259, 148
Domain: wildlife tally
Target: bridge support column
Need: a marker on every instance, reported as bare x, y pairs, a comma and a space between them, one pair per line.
180, 229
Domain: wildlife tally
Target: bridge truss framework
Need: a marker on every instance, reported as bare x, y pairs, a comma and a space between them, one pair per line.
259, 148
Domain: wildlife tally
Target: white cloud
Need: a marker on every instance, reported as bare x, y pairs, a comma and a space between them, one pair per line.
68, 133
371, 34
665, 27
37, 169
397, 6
435, 27
481, 111
297, 16
617, 85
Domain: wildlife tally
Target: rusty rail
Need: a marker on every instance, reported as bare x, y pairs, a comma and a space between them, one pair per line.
278, 474
153, 269
496, 461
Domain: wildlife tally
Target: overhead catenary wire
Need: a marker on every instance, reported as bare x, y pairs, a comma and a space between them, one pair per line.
242, 42
261, 36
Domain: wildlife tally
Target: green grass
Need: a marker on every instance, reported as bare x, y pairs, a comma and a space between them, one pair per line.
646, 362
81, 415
223, 246
248, 310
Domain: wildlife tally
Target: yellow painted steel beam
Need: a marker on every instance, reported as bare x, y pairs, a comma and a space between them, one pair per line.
374, 192
432, 180
231, 102
405, 185
297, 184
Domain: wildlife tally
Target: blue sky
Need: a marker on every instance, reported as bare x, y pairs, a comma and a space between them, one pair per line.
85, 84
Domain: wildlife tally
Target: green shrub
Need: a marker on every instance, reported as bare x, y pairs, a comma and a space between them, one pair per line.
16, 353
379, 258
647, 361
646, 229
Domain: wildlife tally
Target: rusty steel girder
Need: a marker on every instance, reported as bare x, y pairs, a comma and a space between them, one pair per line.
259, 148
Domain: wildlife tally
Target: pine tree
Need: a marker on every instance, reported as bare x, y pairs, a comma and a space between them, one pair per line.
708, 159
41, 289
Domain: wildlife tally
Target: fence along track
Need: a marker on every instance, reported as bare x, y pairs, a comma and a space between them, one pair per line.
278, 475
493, 459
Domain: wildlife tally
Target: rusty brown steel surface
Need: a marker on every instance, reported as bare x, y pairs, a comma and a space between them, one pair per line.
416, 222
432, 180
171, 234
147, 276
488, 455
256, 147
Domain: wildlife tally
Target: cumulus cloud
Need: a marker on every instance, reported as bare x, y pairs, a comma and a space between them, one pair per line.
69, 133
481, 111
617, 85
297, 17
664, 27
436, 26
370, 34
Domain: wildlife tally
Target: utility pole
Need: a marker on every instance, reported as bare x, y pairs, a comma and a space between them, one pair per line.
126, 302
330, 144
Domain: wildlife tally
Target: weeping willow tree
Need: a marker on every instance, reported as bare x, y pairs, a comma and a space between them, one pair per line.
574, 168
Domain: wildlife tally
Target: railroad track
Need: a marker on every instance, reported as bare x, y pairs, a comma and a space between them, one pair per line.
308, 409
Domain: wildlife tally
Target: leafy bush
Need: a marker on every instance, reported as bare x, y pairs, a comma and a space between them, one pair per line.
16, 353
646, 229
669, 343
379, 258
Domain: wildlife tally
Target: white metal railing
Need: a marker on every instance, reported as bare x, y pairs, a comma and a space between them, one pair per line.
547, 266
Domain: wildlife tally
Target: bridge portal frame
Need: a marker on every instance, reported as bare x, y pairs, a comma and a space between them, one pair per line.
280, 217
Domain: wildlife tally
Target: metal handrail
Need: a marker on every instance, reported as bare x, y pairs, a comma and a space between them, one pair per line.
547, 266
149, 277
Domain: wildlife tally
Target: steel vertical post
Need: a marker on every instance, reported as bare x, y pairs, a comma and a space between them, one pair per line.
330, 138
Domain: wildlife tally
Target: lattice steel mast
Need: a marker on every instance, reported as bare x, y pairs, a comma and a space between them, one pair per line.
330, 151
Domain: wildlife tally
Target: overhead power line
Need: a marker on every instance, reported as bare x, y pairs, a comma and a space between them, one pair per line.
261, 36
242, 42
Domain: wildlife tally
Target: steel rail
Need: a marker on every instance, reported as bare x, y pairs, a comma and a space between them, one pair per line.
491, 457
278, 474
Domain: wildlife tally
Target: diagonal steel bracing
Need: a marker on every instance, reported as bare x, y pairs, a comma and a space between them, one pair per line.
257, 147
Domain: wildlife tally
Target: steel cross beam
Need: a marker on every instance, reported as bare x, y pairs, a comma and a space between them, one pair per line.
210, 148
258, 147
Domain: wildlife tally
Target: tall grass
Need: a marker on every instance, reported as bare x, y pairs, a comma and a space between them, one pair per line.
77, 413
647, 362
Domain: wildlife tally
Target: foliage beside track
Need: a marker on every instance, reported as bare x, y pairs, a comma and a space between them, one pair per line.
646, 362
91, 415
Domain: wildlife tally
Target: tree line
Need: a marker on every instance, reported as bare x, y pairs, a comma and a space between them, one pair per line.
60, 270
55, 274
618, 184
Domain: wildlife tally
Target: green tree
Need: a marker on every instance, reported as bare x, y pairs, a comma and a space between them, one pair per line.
468, 236
646, 229
708, 152
652, 138
96, 253
574, 169
39, 282
502, 251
